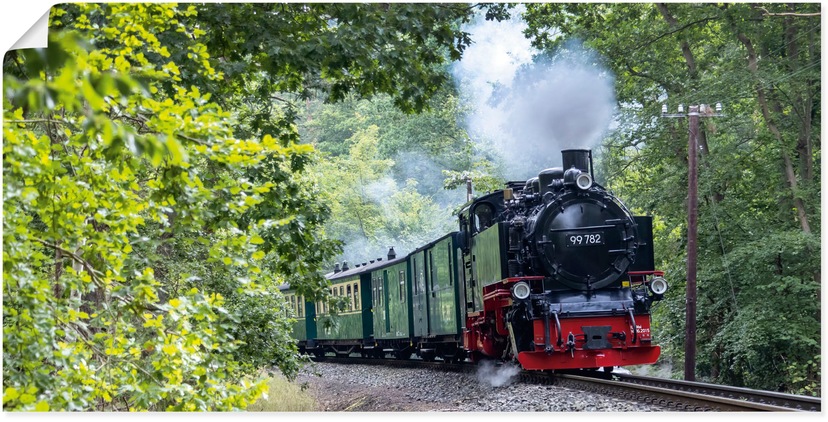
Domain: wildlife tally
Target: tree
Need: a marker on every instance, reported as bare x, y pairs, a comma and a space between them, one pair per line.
87, 325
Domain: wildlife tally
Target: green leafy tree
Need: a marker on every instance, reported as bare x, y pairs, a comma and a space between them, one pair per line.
85, 325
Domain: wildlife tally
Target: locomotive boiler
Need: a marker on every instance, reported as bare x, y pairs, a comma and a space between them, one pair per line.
559, 273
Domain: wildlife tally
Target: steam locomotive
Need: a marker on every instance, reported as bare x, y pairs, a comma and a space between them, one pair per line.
554, 273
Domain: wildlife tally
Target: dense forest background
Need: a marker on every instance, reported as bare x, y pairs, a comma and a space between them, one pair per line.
167, 167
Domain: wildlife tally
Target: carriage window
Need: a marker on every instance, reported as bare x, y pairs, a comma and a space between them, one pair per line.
433, 270
483, 216
402, 286
301, 306
350, 298
416, 287
357, 299
451, 273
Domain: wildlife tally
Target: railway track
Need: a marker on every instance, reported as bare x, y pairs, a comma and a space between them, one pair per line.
671, 394
690, 396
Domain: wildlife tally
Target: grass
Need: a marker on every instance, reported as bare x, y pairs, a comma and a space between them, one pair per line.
284, 396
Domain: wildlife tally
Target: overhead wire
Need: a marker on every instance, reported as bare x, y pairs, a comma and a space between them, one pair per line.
710, 89
725, 263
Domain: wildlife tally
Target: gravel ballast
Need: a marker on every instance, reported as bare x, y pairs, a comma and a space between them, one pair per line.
370, 388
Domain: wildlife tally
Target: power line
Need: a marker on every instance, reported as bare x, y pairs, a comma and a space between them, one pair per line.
730, 78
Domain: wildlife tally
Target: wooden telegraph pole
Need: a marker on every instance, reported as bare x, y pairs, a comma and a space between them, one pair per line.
694, 114
692, 235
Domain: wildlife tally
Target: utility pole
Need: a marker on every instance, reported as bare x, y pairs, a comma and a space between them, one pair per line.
694, 114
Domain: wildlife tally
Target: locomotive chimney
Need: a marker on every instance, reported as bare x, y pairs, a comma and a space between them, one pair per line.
468, 189
336, 268
391, 253
581, 159
345, 266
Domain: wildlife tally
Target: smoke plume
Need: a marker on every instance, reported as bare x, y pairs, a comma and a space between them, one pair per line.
531, 105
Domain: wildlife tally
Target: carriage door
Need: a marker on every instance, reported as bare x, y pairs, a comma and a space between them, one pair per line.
385, 300
420, 311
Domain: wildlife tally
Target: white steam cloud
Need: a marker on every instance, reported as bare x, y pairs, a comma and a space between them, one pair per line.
496, 376
531, 106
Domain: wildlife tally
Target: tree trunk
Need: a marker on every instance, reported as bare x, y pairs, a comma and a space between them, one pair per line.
685, 46
804, 105
790, 175
58, 288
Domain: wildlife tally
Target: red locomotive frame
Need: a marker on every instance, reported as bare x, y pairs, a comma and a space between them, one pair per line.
486, 333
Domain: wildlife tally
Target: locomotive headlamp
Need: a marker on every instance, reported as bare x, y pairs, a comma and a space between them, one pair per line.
658, 285
583, 181
521, 290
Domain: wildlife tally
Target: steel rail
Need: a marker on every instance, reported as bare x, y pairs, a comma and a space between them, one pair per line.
665, 397
760, 397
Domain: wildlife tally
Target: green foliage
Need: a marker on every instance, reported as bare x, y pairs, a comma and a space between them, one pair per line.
759, 207
84, 324
369, 211
332, 50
